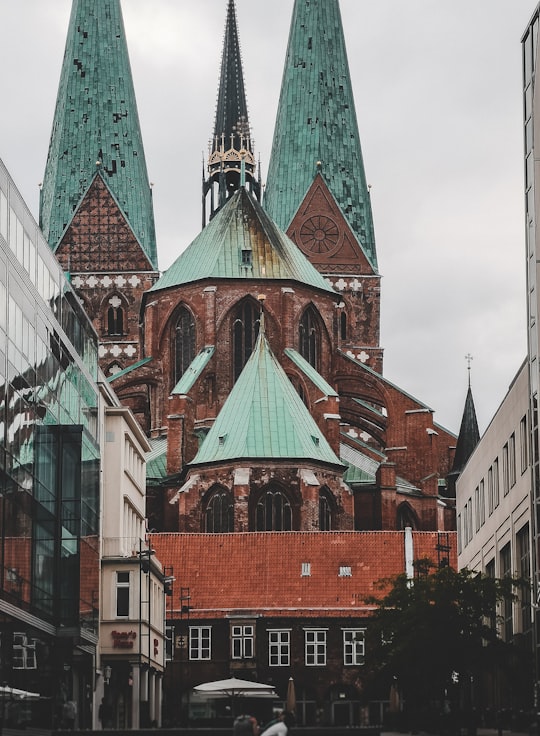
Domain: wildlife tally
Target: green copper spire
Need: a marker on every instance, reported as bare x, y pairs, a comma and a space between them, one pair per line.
316, 126
96, 127
264, 417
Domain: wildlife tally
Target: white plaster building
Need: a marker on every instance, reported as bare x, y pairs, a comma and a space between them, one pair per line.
132, 581
493, 502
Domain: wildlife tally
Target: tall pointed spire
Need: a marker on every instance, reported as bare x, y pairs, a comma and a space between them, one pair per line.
231, 161
96, 131
468, 437
316, 126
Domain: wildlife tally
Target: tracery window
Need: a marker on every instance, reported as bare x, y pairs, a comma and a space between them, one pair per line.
274, 513
115, 316
343, 326
219, 516
245, 331
308, 337
184, 343
325, 511
406, 517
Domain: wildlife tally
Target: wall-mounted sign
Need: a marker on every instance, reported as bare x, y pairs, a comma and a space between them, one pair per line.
123, 639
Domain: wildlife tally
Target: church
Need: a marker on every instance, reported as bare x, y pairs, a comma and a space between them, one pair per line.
253, 363
279, 292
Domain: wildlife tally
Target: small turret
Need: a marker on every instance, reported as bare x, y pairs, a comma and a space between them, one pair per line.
468, 438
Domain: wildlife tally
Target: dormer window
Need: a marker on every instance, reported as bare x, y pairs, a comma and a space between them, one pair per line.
247, 257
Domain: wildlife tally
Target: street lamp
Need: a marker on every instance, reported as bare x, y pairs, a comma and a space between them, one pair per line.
144, 556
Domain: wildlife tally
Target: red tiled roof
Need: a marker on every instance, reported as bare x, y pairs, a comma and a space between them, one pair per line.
261, 572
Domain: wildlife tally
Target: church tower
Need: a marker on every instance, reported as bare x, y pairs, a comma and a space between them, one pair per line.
316, 188
231, 161
96, 201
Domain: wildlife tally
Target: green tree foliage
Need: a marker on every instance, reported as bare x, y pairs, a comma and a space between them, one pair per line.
436, 634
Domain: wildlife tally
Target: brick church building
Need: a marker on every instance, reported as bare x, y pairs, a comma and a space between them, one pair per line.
254, 362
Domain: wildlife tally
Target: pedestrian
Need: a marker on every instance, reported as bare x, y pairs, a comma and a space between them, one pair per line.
281, 726
70, 714
245, 725
105, 714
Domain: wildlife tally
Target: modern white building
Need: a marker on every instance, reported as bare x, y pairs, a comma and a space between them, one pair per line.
531, 114
493, 505
131, 642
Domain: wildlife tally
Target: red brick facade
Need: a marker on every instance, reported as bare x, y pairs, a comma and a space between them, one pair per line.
110, 272
389, 428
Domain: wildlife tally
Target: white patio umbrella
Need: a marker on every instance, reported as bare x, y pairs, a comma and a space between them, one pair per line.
13, 693
235, 688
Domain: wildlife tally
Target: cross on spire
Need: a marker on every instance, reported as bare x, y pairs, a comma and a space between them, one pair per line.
469, 358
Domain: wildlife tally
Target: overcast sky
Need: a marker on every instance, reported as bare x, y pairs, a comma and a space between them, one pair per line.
438, 97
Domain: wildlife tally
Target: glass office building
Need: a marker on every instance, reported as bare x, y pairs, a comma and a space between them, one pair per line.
49, 465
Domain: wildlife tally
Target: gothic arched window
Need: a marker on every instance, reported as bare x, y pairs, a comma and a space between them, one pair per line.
219, 515
184, 343
343, 326
245, 331
325, 511
115, 321
308, 334
115, 316
274, 513
406, 517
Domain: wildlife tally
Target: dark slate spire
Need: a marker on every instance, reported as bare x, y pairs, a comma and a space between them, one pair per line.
96, 127
231, 162
316, 124
468, 438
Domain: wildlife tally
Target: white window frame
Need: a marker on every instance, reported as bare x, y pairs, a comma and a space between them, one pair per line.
122, 585
242, 641
24, 652
315, 647
279, 647
169, 642
354, 647
200, 643
524, 444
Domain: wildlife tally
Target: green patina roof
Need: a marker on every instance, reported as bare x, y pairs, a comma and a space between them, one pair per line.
127, 370
264, 417
241, 229
316, 122
156, 459
362, 469
309, 371
96, 120
194, 370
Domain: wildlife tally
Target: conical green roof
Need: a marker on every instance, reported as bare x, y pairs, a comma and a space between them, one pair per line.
316, 122
95, 121
241, 242
264, 418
